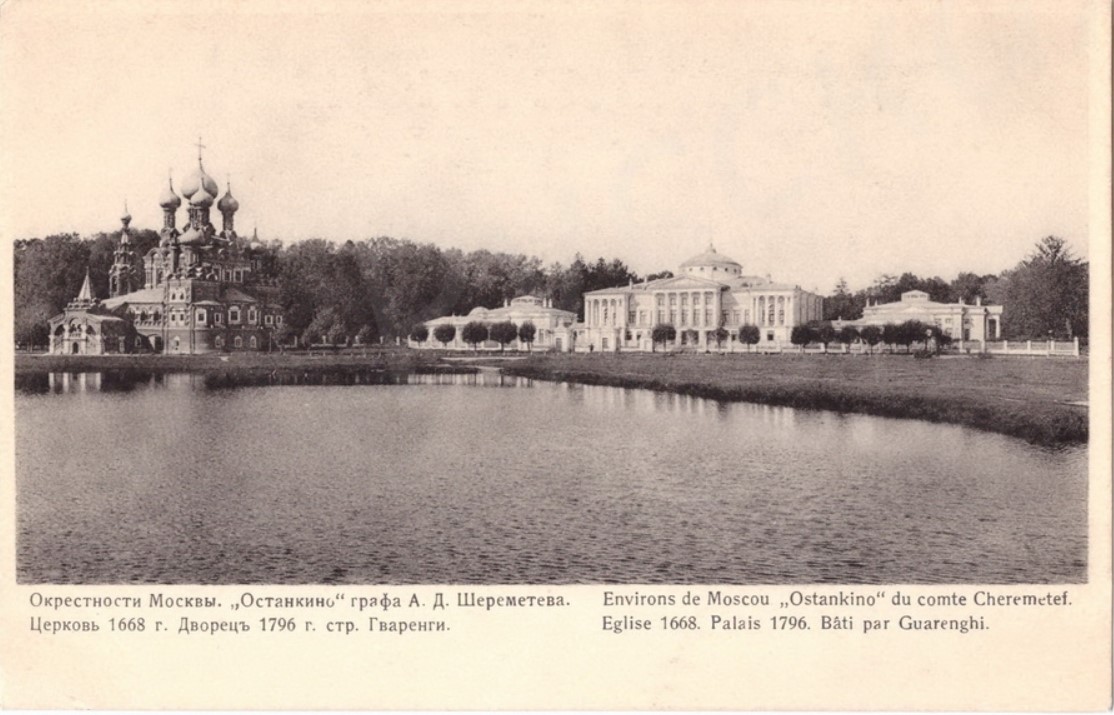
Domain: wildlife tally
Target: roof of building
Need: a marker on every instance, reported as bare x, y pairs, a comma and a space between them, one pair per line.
169, 199
710, 258
93, 315
236, 295
143, 295
199, 180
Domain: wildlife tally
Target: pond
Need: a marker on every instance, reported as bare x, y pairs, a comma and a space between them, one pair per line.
489, 479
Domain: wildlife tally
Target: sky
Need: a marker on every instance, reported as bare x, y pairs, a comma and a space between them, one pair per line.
809, 141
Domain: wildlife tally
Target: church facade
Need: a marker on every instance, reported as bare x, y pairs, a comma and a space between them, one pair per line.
199, 291
709, 292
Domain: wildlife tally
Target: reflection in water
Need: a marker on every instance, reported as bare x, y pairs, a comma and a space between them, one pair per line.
385, 477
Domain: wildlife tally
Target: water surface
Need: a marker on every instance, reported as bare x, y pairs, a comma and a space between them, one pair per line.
491, 479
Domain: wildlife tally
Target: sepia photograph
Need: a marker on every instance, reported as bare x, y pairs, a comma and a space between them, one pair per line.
768, 294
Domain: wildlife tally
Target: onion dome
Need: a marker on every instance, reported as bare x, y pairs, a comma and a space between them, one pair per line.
169, 199
199, 180
192, 237
228, 203
201, 198
127, 217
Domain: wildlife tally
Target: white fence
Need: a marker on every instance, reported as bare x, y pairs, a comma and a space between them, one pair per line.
1048, 348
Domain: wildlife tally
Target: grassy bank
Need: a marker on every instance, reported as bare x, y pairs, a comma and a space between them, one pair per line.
1027, 398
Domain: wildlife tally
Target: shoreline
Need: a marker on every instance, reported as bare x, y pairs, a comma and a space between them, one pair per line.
1031, 417
1040, 401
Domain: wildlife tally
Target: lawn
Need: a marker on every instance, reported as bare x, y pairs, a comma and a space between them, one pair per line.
1032, 398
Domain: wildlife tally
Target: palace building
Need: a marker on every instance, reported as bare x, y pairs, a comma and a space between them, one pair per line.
958, 320
709, 292
199, 291
551, 324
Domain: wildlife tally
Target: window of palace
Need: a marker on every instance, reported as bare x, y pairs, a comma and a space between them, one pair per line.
770, 335
176, 344
218, 317
268, 319
696, 299
219, 342
661, 300
253, 318
234, 314
254, 343
684, 317
201, 316
227, 274
278, 320
708, 317
672, 317
603, 343
684, 300
672, 300
631, 316
238, 342
138, 342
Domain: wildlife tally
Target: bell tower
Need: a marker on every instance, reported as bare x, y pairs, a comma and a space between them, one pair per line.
121, 277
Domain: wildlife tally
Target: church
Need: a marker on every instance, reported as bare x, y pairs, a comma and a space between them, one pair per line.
198, 291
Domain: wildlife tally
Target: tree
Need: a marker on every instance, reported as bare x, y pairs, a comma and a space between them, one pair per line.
526, 333
503, 333
690, 337
474, 333
720, 335
842, 304
444, 334
871, 335
801, 335
662, 333
419, 333
847, 334
1046, 294
892, 334
749, 334
824, 334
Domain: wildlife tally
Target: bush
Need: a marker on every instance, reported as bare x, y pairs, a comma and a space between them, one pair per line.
419, 333
749, 334
474, 333
801, 335
503, 333
663, 333
444, 334
526, 333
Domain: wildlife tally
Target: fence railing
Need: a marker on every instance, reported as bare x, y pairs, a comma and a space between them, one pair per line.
1051, 348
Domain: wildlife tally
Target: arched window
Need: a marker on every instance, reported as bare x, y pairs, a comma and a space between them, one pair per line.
219, 342
176, 344
238, 342
252, 316
254, 342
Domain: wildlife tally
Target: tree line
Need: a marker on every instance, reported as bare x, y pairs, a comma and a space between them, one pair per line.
384, 287
1045, 295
